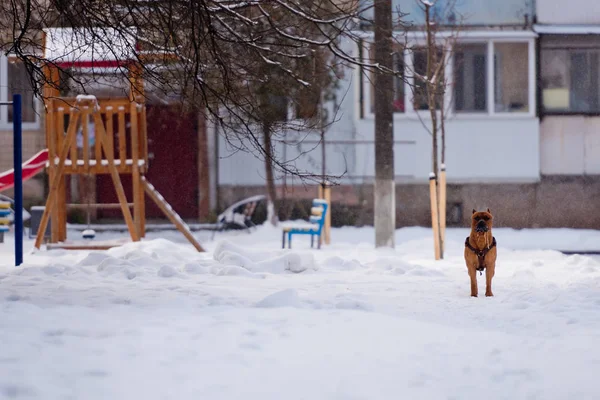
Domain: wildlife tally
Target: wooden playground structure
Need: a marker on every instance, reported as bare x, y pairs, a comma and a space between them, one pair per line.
90, 136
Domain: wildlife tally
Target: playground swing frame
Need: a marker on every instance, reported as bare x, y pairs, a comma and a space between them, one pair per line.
129, 157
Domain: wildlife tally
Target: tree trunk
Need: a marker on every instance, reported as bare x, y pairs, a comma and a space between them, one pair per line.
443, 186
431, 87
443, 129
385, 202
271, 191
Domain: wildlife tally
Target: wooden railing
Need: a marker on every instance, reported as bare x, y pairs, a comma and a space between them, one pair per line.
124, 125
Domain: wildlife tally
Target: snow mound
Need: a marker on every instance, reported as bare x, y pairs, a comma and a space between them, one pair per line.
353, 304
52, 270
158, 249
225, 246
341, 264
113, 267
283, 298
94, 259
167, 271
583, 264
397, 266
229, 254
233, 270
196, 268
524, 273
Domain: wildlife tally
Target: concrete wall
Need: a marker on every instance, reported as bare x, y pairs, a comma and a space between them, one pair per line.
570, 145
33, 141
554, 202
484, 149
568, 12
479, 149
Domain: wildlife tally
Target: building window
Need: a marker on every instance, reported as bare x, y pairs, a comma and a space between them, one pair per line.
398, 60
14, 79
488, 77
570, 80
420, 101
19, 82
511, 78
277, 110
399, 77
307, 103
470, 78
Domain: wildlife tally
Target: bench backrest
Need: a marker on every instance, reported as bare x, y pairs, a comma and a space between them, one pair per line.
318, 212
5, 213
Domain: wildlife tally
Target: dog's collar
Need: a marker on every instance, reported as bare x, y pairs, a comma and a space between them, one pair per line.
480, 253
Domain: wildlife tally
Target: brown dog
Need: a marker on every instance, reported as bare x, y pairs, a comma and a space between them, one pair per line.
480, 250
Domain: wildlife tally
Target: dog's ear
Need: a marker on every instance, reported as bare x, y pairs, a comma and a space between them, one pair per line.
473, 211
488, 210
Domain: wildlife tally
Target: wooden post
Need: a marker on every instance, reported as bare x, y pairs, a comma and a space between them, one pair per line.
442, 185
50, 91
139, 143
144, 137
115, 177
137, 188
434, 215
85, 122
61, 201
54, 141
142, 207
170, 213
143, 157
110, 133
74, 144
327, 236
122, 141
58, 175
325, 194
97, 150
52, 154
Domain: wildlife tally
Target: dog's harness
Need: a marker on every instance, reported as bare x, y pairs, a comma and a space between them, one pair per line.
480, 253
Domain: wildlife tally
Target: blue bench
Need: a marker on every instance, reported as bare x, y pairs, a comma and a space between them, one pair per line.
5, 213
313, 227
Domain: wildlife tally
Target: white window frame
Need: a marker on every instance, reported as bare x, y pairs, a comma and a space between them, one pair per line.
416, 39
5, 125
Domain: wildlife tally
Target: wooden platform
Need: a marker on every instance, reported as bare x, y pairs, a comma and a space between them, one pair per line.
87, 244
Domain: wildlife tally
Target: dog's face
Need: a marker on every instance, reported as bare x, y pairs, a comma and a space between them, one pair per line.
481, 221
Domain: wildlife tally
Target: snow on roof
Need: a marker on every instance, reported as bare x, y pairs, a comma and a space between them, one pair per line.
88, 46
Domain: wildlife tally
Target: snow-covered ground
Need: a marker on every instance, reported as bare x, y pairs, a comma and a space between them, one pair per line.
247, 320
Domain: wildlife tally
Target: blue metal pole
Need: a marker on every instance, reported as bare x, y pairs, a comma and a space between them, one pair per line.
17, 157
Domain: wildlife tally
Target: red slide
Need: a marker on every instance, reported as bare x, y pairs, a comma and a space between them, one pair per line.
31, 168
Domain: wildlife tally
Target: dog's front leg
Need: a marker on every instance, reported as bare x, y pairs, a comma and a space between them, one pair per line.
489, 274
473, 276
